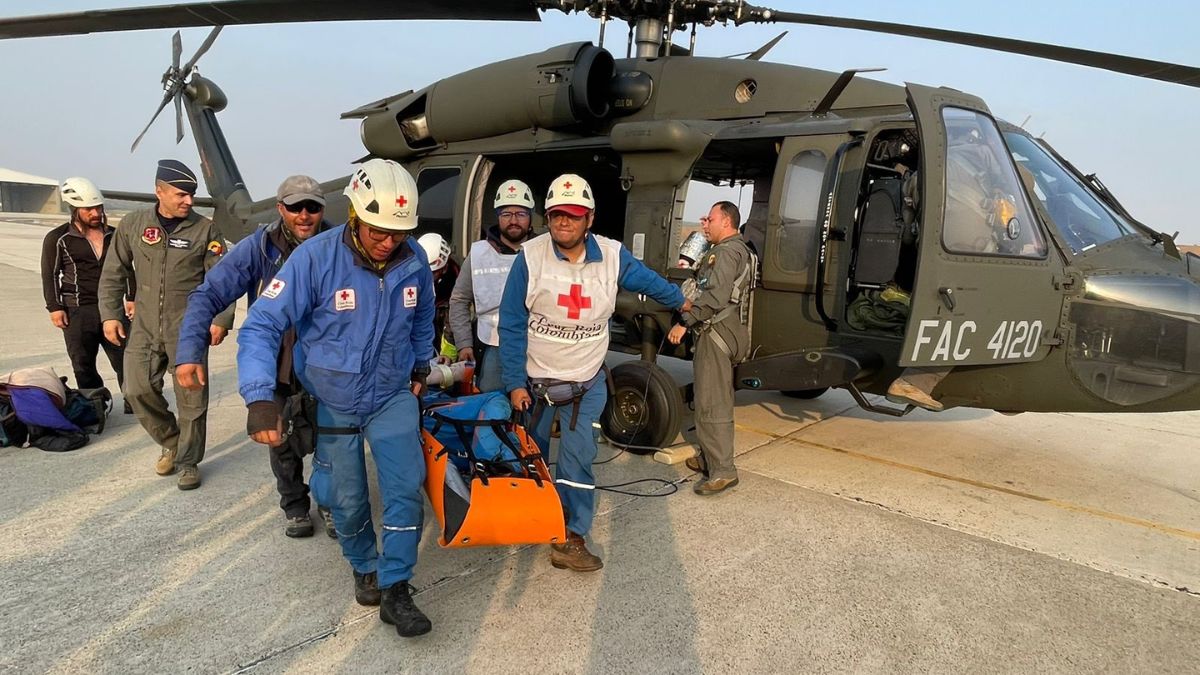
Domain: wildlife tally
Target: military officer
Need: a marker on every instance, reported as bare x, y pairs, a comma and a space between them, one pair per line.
172, 248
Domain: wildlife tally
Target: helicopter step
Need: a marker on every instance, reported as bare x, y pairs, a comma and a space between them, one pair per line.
807, 370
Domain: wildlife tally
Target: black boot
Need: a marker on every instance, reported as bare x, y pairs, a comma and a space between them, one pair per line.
399, 610
366, 589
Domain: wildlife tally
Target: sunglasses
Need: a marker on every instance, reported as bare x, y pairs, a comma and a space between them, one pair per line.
310, 206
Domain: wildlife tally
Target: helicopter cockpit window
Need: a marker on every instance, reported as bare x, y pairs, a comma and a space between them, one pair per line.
1084, 221
986, 209
799, 207
437, 188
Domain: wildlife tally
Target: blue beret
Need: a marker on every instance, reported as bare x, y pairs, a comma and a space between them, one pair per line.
176, 173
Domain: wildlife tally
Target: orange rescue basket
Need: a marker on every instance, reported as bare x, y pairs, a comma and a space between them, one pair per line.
492, 510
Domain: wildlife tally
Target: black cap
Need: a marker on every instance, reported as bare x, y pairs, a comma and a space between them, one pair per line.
177, 174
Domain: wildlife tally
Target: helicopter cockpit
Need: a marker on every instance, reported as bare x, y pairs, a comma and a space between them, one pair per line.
1083, 220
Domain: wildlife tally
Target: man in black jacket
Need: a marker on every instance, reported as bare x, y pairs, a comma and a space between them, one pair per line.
72, 257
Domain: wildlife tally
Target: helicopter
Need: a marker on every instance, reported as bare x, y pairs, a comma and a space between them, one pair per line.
1027, 280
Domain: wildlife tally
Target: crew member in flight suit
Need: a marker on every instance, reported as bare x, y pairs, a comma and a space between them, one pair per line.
720, 294
171, 247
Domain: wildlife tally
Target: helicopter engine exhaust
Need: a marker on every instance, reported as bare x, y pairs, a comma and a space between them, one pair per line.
565, 86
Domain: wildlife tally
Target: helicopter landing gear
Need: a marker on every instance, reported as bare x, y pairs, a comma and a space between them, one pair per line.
806, 394
644, 407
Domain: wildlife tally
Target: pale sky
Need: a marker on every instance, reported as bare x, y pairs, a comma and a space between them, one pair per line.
72, 105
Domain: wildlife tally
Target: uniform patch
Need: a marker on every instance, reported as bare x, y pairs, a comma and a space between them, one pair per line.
343, 299
176, 242
151, 235
216, 248
410, 296
712, 258
274, 289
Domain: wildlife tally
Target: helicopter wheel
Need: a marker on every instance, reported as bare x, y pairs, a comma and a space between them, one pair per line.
806, 394
644, 407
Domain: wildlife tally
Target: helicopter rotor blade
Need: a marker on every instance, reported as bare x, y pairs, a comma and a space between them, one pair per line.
166, 99
235, 12
176, 50
178, 116
204, 46
1146, 68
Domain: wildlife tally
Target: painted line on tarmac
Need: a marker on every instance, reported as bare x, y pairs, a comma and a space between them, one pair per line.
1051, 501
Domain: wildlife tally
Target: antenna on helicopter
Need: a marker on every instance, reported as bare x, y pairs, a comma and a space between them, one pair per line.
174, 82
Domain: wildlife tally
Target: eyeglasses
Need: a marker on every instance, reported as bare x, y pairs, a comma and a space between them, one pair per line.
514, 215
310, 206
378, 236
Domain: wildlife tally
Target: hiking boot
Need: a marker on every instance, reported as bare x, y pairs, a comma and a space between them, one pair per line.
128, 408
327, 518
903, 392
712, 486
166, 463
299, 527
366, 589
189, 477
574, 555
399, 610
696, 464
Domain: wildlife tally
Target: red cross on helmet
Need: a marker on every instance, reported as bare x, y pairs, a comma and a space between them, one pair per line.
384, 195
571, 193
513, 193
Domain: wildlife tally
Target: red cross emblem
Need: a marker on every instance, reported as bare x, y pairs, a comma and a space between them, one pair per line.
355, 185
275, 285
345, 295
401, 201
410, 292
512, 188
567, 185
575, 301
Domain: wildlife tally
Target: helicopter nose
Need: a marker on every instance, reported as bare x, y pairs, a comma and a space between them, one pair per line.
1136, 337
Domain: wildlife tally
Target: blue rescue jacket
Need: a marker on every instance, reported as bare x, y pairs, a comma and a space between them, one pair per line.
244, 270
358, 333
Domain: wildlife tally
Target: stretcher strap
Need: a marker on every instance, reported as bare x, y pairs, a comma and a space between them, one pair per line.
500, 428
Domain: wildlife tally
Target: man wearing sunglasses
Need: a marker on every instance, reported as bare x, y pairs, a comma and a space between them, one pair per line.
361, 300
481, 283
247, 269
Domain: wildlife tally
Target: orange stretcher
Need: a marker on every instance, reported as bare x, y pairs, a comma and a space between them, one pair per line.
484, 508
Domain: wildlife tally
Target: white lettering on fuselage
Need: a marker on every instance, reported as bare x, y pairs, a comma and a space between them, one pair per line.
950, 341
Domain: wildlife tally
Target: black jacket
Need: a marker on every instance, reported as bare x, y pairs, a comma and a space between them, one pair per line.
70, 268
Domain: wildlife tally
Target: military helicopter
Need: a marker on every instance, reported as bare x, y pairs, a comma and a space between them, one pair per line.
1026, 279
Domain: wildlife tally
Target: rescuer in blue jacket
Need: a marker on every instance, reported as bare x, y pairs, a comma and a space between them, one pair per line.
361, 299
246, 270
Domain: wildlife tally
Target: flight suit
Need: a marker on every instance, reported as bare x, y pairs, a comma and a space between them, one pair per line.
168, 267
722, 288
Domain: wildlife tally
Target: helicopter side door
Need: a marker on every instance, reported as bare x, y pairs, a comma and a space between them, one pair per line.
985, 284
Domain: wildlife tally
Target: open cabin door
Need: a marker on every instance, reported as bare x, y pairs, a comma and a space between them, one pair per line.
985, 284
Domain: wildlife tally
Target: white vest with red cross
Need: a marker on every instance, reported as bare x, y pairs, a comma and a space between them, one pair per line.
569, 307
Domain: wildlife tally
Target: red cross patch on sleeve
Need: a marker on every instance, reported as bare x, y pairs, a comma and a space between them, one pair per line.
273, 289
343, 300
410, 296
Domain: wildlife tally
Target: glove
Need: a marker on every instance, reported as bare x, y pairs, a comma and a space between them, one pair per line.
419, 374
261, 416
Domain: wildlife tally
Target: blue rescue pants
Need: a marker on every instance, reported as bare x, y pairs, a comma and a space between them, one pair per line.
394, 434
574, 479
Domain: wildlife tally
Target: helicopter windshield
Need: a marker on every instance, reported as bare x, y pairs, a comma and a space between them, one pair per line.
1083, 220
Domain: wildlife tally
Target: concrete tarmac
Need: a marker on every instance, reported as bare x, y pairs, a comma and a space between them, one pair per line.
952, 542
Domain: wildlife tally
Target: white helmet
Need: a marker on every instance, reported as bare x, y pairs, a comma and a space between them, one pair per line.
436, 250
384, 195
570, 192
80, 193
514, 193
